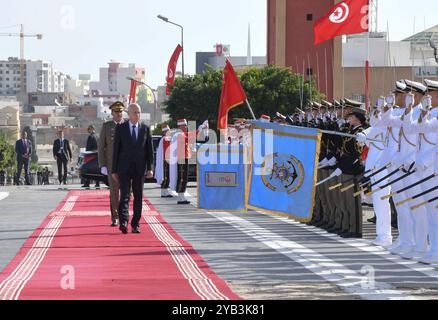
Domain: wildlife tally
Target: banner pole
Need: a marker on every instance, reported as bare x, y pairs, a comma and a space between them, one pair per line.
250, 109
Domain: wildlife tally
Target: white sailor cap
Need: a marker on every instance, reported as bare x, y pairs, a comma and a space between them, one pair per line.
431, 85
416, 86
400, 87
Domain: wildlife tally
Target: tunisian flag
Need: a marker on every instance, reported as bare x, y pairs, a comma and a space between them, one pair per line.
347, 17
232, 95
171, 68
133, 92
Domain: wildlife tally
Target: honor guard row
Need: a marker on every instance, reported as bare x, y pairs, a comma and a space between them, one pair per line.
390, 157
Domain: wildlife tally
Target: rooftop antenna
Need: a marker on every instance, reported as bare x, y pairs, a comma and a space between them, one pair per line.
249, 55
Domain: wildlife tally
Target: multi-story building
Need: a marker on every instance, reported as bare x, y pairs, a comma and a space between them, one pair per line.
10, 77
40, 76
217, 61
79, 87
113, 79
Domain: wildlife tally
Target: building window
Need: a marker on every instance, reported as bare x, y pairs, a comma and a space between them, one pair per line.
309, 17
309, 71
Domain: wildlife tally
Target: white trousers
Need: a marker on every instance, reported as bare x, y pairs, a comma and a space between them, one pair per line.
404, 217
418, 217
432, 212
382, 208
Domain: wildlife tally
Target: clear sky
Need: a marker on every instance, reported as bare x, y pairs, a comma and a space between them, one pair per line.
82, 35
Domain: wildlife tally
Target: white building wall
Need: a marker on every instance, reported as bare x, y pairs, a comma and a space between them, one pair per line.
355, 53
115, 83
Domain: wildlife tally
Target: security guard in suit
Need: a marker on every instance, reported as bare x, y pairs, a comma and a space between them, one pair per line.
106, 144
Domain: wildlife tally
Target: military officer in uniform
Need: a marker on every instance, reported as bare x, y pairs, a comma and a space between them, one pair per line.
351, 164
105, 148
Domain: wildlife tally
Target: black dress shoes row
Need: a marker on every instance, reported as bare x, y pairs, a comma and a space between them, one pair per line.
124, 228
351, 235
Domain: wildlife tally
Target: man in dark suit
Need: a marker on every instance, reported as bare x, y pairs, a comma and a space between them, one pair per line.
23, 149
91, 146
63, 155
133, 156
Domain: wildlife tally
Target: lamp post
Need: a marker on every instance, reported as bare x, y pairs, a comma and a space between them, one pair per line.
165, 19
154, 92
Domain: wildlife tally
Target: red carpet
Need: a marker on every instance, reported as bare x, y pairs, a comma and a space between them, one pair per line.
75, 255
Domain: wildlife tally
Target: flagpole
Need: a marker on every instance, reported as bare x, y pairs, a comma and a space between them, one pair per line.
250, 109
367, 73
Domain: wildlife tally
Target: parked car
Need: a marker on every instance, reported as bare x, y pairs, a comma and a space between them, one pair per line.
88, 167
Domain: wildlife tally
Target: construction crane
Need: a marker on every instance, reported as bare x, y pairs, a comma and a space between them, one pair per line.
22, 35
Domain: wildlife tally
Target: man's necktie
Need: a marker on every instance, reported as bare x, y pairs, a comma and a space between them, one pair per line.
134, 134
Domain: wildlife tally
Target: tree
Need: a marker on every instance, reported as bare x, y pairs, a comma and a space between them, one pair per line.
270, 89
7, 154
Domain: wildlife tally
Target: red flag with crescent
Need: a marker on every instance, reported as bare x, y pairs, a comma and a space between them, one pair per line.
171, 68
346, 17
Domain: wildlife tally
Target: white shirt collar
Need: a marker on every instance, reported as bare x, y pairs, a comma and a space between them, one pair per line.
132, 124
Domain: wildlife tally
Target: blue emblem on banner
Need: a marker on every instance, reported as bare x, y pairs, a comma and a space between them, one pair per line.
284, 163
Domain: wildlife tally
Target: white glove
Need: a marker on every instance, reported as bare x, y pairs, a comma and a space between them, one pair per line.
380, 103
426, 103
409, 101
323, 162
332, 162
104, 171
390, 100
420, 166
362, 138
